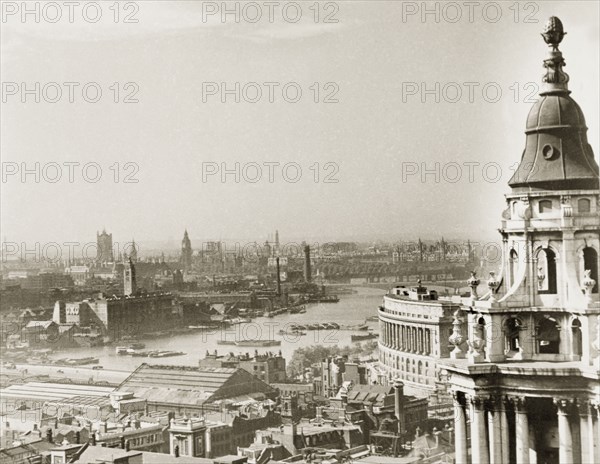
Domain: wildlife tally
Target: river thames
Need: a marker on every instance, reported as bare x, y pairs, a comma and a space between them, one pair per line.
352, 309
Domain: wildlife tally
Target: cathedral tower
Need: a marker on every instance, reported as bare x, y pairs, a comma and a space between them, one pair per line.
526, 365
104, 251
186, 251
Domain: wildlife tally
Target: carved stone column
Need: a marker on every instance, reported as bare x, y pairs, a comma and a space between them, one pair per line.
586, 432
479, 442
402, 338
565, 437
504, 405
415, 340
495, 411
522, 430
595, 414
460, 430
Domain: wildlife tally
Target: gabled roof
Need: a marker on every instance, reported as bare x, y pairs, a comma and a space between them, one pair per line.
183, 385
40, 324
369, 393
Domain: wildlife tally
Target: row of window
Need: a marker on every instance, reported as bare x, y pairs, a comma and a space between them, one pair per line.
408, 369
584, 205
414, 315
406, 338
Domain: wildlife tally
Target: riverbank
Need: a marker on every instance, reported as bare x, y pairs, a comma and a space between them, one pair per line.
352, 310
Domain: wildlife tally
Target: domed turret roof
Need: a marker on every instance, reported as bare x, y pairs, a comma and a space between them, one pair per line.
557, 155
553, 111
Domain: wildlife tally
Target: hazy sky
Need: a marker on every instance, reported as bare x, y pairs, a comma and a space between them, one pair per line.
375, 61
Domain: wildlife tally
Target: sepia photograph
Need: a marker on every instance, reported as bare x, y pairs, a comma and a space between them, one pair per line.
305, 231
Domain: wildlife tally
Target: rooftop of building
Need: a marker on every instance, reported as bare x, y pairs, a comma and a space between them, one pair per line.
48, 391
374, 394
187, 385
85, 401
418, 294
524, 368
103, 454
306, 428
35, 447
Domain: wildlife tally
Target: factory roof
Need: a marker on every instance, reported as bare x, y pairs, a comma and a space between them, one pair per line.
191, 385
48, 391
102, 454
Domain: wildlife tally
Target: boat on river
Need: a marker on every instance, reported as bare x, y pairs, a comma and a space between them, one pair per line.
129, 348
258, 343
363, 337
354, 327
292, 332
298, 310
323, 299
165, 354
226, 342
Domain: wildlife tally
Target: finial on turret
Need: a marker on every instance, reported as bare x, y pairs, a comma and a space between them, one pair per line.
553, 32
555, 78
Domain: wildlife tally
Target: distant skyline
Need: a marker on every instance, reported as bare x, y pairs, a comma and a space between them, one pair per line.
378, 129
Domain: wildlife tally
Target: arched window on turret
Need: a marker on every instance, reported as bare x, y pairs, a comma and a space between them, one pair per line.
548, 336
584, 205
577, 336
590, 263
512, 329
513, 263
546, 272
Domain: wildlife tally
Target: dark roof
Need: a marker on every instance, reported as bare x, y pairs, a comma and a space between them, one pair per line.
557, 154
34, 447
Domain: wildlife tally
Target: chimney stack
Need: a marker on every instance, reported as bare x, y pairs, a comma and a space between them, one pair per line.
436, 434
399, 405
307, 268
